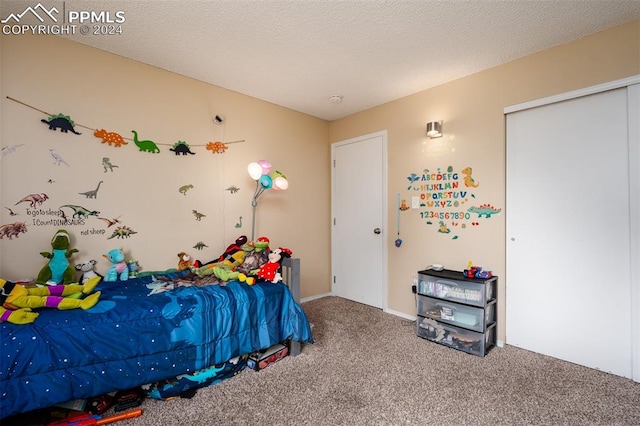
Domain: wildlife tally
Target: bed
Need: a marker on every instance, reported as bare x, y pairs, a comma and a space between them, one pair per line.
142, 331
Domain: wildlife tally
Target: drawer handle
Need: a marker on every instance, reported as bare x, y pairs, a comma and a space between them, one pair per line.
452, 283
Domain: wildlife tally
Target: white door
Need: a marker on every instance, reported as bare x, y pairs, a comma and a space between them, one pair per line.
359, 231
568, 231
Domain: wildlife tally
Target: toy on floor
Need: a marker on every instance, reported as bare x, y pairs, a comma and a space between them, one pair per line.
87, 269
128, 398
58, 270
18, 300
119, 269
192, 381
78, 418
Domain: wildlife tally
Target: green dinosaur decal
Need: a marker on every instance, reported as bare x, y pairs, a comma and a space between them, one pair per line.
200, 245
184, 188
81, 212
486, 210
146, 145
122, 232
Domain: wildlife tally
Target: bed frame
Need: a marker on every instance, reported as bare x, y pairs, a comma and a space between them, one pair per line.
291, 276
175, 337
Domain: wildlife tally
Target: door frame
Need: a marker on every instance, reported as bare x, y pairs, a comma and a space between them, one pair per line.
633, 96
385, 222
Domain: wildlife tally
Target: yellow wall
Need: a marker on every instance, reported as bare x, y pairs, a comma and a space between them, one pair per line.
100, 90
474, 135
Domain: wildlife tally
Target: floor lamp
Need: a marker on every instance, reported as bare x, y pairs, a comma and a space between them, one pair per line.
259, 171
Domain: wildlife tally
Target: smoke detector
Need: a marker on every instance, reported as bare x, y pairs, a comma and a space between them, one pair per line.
335, 99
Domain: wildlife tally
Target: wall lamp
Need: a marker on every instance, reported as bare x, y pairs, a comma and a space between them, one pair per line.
434, 129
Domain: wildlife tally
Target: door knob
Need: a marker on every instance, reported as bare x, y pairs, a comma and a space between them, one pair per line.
377, 231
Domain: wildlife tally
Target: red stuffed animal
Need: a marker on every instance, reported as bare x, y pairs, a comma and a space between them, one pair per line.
271, 271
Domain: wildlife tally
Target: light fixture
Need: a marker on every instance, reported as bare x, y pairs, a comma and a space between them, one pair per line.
434, 129
259, 171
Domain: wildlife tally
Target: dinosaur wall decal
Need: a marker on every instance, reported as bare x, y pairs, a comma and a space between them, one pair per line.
468, 180
486, 210
198, 215
216, 147
184, 188
145, 145
9, 149
34, 200
93, 193
106, 163
11, 230
57, 158
81, 212
62, 122
181, 147
110, 138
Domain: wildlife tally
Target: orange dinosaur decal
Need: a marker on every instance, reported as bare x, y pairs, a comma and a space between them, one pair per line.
110, 137
217, 147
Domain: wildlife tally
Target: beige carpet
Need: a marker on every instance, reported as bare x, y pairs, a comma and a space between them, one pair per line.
369, 368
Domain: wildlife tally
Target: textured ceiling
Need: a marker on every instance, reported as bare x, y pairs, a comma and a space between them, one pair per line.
298, 53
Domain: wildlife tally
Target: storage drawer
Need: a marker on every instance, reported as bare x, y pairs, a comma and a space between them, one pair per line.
456, 337
469, 291
452, 313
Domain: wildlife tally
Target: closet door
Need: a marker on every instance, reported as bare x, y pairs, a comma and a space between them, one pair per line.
568, 280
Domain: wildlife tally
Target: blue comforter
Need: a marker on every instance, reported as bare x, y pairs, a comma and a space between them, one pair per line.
141, 331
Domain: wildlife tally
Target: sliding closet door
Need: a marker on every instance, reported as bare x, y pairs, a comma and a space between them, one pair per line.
569, 287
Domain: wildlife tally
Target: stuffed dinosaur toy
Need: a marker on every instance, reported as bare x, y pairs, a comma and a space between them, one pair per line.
18, 300
58, 269
119, 269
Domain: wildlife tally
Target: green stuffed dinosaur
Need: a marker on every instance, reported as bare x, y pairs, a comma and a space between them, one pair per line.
58, 270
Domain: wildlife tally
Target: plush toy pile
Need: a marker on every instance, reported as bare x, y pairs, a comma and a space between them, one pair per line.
18, 300
57, 286
246, 261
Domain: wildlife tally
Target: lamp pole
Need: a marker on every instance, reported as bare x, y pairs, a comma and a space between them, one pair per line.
254, 205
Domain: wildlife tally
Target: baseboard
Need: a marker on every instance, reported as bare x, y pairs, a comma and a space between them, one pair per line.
500, 344
389, 311
400, 314
317, 296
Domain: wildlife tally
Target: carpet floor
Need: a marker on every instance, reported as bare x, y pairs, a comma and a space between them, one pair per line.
369, 368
